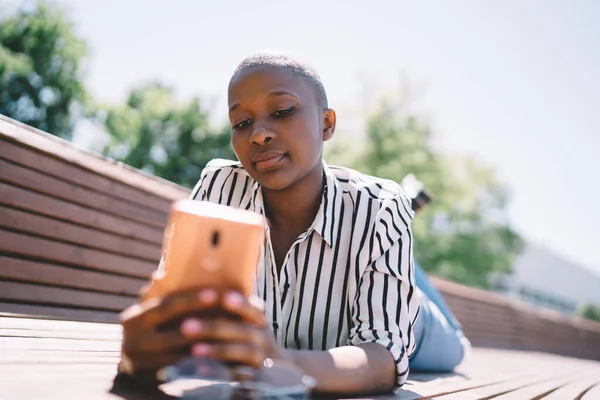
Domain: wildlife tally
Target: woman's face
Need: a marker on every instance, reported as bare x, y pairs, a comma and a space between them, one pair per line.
278, 128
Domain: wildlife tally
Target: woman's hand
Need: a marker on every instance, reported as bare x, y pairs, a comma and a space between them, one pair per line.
243, 340
151, 340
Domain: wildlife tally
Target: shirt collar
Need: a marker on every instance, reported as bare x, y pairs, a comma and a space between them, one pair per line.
329, 214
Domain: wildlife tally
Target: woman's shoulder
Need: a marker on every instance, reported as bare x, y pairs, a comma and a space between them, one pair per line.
218, 174
380, 189
218, 164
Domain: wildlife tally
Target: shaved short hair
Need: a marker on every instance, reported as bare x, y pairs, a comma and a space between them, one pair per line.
297, 67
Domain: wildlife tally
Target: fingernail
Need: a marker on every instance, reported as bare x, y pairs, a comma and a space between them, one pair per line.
200, 349
207, 296
234, 299
191, 326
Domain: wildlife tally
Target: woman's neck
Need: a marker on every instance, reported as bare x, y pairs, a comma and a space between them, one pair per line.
297, 206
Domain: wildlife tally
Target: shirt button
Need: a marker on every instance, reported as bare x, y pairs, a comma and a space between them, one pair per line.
275, 326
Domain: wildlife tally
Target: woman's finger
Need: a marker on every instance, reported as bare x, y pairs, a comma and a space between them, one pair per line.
158, 311
248, 309
156, 342
222, 330
231, 353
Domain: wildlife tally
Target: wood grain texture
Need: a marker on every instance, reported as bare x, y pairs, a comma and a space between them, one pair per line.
41, 248
34, 202
62, 188
68, 232
42, 142
68, 277
69, 360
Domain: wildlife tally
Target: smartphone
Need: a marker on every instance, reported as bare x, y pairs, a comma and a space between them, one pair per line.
208, 245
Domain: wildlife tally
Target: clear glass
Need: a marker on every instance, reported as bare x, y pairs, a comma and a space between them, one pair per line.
204, 378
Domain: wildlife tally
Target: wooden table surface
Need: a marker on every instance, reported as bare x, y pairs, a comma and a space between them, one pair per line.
52, 359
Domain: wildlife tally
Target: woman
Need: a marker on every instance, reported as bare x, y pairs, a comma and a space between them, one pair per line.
336, 276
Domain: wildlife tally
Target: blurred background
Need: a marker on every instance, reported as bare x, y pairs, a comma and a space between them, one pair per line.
490, 104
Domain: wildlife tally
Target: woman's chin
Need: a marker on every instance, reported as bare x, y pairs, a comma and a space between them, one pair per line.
275, 184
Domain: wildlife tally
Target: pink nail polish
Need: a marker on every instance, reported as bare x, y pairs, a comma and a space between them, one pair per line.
200, 349
191, 326
234, 299
207, 296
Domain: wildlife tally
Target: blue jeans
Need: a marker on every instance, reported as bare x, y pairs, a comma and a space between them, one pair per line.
441, 344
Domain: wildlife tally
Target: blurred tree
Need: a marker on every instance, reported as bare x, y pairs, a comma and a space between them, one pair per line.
154, 132
589, 311
464, 235
40, 69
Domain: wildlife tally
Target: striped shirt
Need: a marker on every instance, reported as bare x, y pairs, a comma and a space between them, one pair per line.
346, 280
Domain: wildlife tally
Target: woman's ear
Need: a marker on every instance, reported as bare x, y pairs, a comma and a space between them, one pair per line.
329, 120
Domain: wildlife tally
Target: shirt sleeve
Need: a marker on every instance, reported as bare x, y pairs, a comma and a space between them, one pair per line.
200, 191
386, 305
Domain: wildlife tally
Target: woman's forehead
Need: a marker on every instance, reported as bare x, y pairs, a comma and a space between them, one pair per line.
263, 81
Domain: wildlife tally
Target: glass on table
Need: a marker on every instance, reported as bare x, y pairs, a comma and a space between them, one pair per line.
196, 378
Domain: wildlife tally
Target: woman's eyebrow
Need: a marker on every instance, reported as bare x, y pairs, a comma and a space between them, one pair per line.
281, 93
272, 94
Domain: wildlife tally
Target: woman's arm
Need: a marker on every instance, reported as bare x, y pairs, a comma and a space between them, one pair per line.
363, 368
381, 337
368, 368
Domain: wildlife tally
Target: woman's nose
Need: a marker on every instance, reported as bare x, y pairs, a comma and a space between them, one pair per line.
261, 135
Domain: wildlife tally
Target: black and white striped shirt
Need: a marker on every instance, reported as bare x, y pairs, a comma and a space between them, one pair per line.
346, 280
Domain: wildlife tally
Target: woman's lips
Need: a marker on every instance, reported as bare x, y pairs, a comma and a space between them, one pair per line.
268, 161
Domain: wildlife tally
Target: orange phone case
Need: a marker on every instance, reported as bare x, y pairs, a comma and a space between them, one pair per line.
208, 245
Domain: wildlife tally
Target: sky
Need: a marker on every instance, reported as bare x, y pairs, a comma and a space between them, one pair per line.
515, 83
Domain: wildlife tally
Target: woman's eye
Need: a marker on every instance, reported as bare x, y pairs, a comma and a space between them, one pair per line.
284, 112
242, 125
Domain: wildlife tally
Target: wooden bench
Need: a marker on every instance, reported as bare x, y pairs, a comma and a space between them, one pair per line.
79, 234
491, 320
52, 360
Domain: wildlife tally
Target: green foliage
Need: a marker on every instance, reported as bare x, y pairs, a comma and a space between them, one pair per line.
40, 69
589, 311
154, 132
463, 235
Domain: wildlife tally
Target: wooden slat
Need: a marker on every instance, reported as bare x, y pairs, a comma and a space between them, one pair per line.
33, 356
56, 275
40, 333
444, 387
488, 391
535, 385
45, 143
536, 391
54, 372
453, 291
573, 390
592, 394
94, 385
50, 165
16, 291
90, 366
58, 230
23, 199
29, 358
28, 323
62, 313
31, 246
13, 343
17, 175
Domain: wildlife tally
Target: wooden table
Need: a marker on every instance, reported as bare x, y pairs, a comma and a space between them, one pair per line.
52, 359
